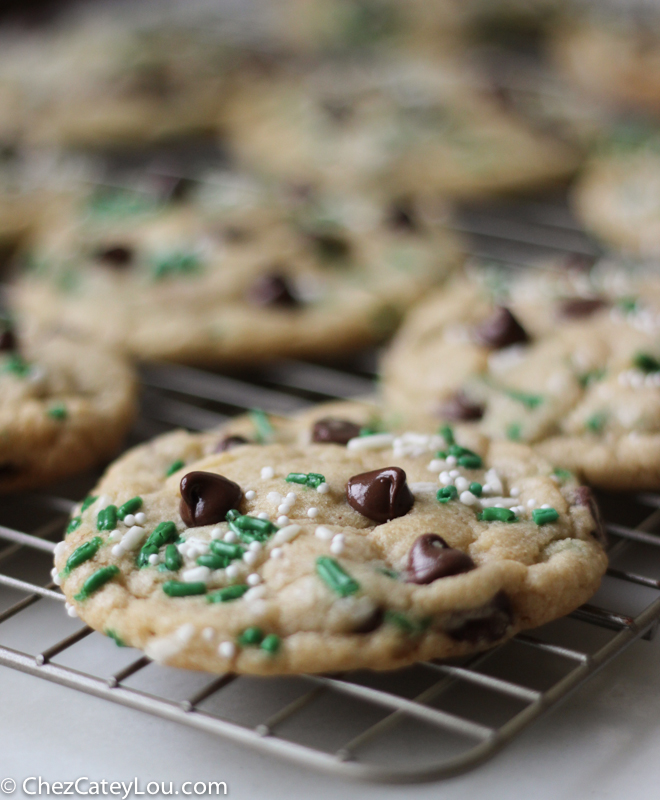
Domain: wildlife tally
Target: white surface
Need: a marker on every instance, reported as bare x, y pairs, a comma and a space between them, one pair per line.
604, 742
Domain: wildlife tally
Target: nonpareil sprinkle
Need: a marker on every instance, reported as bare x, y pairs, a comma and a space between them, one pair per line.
58, 412
446, 494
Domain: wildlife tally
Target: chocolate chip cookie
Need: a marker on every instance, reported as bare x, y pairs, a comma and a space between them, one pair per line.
361, 548
569, 363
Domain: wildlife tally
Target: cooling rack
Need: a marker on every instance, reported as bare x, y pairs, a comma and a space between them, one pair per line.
425, 722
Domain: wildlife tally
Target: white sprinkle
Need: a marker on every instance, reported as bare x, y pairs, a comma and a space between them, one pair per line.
129, 520
498, 505
59, 547
497, 502
253, 580
250, 494
216, 533
283, 521
232, 572
249, 558
103, 502
255, 593
255, 546
56, 579
71, 611
286, 534
230, 536
154, 558
323, 488
323, 533
267, 473
274, 497
436, 465
468, 499
312, 512
514, 491
445, 478
451, 461
208, 634
337, 545
378, 441
140, 518
546, 505
117, 551
531, 503
291, 497
195, 574
276, 552
133, 537
114, 536
227, 650
284, 508
262, 515
422, 487
486, 488
454, 473
461, 484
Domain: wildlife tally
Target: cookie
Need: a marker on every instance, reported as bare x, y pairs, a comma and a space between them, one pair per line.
374, 551
64, 407
229, 272
569, 363
614, 57
402, 124
617, 195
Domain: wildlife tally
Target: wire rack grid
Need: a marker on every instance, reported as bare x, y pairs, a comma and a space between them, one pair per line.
425, 722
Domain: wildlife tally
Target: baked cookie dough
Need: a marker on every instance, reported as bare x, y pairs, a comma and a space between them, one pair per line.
617, 196
569, 363
230, 272
64, 407
403, 124
357, 549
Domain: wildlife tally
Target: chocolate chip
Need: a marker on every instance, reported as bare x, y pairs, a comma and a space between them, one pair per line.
331, 430
580, 307
458, 407
431, 558
380, 495
229, 443
272, 290
9, 470
401, 216
487, 624
371, 623
330, 246
500, 330
206, 498
584, 497
116, 256
8, 342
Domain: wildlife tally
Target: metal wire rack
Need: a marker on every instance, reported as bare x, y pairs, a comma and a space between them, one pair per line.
425, 722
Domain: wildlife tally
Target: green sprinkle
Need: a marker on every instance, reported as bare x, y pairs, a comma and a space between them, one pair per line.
180, 589
262, 425
541, 516
87, 502
476, 489
514, 432
592, 376
404, 623
646, 363
627, 304
95, 581
16, 365
176, 264
530, 401
175, 466
164, 533
497, 515
251, 529
107, 518
226, 549
251, 637
58, 412
388, 573
596, 422
562, 474
447, 434
470, 462
173, 560
119, 202
213, 561
117, 638
271, 644
163, 568
82, 554
129, 507
227, 594
446, 494
311, 479
335, 577
76, 522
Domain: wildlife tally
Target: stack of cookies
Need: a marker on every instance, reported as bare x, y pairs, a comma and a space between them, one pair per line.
223, 192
